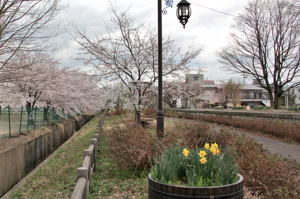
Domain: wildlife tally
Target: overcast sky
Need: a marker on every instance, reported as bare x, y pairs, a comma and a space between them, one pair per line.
205, 27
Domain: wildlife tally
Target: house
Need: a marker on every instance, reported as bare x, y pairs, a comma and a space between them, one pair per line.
213, 94
253, 95
296, 94
194, 77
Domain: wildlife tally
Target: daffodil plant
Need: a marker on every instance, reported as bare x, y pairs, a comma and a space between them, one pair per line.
207, 166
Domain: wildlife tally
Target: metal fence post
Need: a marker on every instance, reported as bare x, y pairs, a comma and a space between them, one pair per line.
48, 116
9, 128
20, 127
34, 118
27, 123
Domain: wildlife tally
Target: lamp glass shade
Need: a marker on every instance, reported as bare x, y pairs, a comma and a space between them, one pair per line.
183, 12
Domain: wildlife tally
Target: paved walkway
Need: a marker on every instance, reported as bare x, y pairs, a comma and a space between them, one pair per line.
275, 146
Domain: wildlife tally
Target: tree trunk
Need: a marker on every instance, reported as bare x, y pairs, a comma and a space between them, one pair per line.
271, 98
46, 109
277, 97
29, 110
173, 103
276, 101
137, 114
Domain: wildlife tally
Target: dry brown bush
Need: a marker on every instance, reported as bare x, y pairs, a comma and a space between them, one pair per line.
132, 147
149, 112
119, 112
273, 177
250, 195
282, 129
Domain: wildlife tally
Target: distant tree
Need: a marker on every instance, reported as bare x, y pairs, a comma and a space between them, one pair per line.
232, 92
43, 83
128, 52
176, 90
267, 46
22, 26
172, 92
38, 75
213, 97
77, 93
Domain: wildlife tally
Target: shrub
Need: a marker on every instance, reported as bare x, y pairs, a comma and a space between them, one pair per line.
282, 129
132, 147
149, 112
294, 109
238, 107
119, 112
261, 108
275, 178
265, 172
272, 176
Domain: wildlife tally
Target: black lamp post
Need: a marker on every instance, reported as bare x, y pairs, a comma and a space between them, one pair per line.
183, 14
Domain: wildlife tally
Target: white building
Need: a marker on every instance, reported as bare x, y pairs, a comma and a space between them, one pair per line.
251, 94
296, 92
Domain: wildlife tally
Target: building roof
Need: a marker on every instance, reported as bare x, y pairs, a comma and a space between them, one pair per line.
251, 87
211, 84
208, 82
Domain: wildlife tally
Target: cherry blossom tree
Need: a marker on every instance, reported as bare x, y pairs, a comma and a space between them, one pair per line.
128, 53
23, 24
37, 75
214, 96
176, 90
77, 93
43, 83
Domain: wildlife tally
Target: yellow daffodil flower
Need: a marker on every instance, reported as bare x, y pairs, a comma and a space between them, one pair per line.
203, 160
207, 146
185, 152
214, 151
202, 154
215, 145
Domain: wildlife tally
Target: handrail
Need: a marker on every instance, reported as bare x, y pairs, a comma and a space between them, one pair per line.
85, 172
79, 188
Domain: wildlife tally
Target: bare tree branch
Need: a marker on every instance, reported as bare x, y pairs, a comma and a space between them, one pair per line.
267, 46
21, 25
128, 52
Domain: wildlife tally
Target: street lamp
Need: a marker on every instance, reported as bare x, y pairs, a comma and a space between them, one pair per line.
183, 14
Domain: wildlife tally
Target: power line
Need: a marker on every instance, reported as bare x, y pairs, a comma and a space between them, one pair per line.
214, 10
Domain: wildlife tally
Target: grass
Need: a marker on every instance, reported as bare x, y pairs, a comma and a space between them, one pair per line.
110, 180
55, 179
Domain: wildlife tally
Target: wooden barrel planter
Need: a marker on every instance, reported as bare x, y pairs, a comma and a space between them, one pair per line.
159, 190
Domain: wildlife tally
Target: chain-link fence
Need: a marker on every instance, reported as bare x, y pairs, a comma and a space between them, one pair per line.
15, 121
